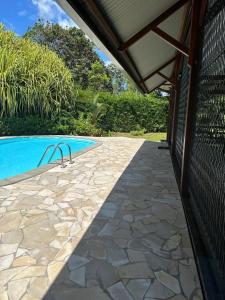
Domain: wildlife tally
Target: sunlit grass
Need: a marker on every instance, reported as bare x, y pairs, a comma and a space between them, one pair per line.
152, 137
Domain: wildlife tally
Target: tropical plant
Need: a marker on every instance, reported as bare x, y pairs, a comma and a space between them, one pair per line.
33, 79
97, 109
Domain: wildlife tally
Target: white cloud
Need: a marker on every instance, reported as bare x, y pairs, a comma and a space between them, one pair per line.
22, 13
66, 23
49, 10
107, 62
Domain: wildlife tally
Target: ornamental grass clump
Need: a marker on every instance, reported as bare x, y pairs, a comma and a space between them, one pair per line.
33, 79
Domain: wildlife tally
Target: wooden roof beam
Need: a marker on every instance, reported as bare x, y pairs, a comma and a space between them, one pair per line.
160, 68
158, 86
171, 41
167, 78
153, 24
93, 7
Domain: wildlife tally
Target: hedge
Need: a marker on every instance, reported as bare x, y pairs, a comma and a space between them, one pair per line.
128, 111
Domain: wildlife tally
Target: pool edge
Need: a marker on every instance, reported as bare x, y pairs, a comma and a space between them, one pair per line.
45, 168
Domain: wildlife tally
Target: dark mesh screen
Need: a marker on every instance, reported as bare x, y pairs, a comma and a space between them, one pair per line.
181, 113
207, 160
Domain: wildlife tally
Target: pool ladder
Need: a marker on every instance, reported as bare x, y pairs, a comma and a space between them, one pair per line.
53, 153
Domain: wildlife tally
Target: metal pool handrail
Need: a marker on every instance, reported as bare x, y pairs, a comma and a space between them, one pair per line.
46, 151
58, 147
44, 154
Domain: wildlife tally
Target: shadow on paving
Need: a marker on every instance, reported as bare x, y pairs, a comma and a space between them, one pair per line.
137, 247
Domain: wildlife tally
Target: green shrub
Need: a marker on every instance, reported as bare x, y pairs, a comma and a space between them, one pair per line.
27, 126
84, 126
138, 132
34, 125
127, 110
33, 79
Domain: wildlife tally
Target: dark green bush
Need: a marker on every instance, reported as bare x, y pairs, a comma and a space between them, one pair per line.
128, 111
34, 125
26, 126
124, 112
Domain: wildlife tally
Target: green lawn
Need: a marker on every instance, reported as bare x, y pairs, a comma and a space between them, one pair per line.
152, 137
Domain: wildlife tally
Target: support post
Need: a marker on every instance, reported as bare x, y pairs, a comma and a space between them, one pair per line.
170, 115
197, 7
175, 116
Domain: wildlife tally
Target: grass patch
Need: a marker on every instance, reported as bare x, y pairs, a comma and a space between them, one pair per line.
152, 137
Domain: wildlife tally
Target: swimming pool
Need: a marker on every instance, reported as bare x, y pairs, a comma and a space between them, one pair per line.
22, 154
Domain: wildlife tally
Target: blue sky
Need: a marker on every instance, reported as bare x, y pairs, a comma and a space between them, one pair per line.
18, 15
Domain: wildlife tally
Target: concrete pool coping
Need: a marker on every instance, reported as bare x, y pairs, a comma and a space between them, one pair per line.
44, 168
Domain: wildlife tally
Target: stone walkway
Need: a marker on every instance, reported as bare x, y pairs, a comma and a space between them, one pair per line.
110, 226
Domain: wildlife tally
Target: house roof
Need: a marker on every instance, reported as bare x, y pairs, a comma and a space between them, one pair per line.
135, 34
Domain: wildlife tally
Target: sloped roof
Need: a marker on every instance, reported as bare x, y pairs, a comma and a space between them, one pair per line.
116, 27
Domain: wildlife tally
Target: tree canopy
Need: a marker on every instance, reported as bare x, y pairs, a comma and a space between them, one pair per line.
119, 81
76, 50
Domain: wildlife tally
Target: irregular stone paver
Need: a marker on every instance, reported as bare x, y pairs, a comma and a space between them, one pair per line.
109, 226
159, 291
135, 270
76, 261
78, 276
6, 261
118, 291
107, 274
169, 281
138, 287
76, 293
17, 288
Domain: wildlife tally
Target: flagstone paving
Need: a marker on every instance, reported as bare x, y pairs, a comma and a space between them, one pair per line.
110, 226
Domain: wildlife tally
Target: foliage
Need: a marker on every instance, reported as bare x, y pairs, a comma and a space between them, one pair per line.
76, 51
38, 94
33, 80
26, 126
119, 81
98, 78
92, 107
127, 111
138, 131
84, 126
38, 125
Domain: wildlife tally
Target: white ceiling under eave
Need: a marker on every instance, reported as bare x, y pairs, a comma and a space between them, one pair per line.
127, 17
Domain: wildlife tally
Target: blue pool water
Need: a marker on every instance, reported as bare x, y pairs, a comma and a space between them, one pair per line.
22, 154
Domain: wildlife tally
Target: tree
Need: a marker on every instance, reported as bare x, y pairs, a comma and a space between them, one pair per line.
119, 81
33, 79
71, 44
99, 79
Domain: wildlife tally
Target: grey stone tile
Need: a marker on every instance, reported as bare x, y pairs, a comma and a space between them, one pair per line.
119, 292
159, 291
169, 281
135, 270
138, 287
106, 274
